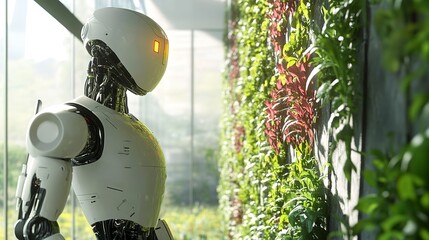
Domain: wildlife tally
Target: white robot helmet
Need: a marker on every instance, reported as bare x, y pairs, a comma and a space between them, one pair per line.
139, 42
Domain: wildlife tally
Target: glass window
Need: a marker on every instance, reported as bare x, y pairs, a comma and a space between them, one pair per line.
39, 67
167, 112
46, 62
208, 63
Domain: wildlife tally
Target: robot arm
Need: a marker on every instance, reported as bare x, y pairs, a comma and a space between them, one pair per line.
54, 136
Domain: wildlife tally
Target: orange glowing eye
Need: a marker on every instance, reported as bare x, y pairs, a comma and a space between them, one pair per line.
156, 46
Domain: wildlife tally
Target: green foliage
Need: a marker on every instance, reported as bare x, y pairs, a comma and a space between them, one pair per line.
82, 228
306, 207
403, 29
262, 195
195, 223
335, 65
16, 157
290, 109
265, 196
399, 209
243, 139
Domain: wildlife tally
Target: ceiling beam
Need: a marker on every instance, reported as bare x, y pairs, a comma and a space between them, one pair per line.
62, 15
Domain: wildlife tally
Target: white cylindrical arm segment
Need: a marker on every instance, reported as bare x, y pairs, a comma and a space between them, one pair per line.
54, 177
58, 132
21, 180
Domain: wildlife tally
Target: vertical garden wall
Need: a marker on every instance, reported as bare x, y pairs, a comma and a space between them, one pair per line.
325, 118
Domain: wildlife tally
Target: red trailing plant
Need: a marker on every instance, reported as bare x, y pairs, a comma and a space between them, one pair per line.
290, 111
278, 15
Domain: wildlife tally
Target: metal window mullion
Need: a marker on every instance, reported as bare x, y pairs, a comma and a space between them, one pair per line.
72, 197
191, 194
73, 78
5, 160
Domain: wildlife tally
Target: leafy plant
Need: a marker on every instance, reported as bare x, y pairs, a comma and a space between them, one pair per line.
399, 209
259, 188
306, 207
242, 144
291, 110
403, 30
335, 67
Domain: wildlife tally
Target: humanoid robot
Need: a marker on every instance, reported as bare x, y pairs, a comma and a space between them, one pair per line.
113, 161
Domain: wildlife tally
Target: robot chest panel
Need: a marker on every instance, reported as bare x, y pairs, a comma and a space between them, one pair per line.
129, 176
127, 143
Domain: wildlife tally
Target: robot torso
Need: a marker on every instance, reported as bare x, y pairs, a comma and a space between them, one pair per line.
127, 181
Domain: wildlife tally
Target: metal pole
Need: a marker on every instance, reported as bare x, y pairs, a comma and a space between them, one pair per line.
6, 157
73, 77
191, 196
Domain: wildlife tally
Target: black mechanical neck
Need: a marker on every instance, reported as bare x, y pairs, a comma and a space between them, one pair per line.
102, 82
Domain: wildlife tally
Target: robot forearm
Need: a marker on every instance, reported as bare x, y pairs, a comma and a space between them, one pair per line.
45, 180
43, 197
